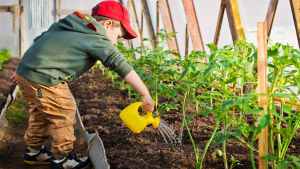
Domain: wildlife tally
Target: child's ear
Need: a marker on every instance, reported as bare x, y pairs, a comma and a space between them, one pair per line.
107, 23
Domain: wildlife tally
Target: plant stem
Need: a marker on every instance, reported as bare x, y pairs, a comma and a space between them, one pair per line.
187, 127
224, 146
208, 143
251, 153
278, 127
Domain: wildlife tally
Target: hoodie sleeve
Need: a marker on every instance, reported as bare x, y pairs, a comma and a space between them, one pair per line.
103, 50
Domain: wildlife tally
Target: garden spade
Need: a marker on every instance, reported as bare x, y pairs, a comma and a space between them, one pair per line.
134, 121
95, 145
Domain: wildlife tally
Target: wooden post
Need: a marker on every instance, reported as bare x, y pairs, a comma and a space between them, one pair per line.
296, 17
58, 8
234, 20
219, 23
270, 15
148, 21
187, 40
157, 22
130, 6
193, 26
168, 24
262, 86
142, 27
21, 30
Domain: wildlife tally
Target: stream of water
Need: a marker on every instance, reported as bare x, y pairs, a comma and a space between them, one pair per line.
165, 129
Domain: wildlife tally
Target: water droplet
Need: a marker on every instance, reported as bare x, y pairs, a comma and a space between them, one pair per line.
165, 129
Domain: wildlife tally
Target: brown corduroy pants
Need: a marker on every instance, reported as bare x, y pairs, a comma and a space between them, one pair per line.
52, 113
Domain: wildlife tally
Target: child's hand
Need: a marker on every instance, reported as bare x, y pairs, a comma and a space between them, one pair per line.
148, 103
14, 78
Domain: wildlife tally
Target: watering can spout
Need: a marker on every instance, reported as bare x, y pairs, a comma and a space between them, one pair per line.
134, 121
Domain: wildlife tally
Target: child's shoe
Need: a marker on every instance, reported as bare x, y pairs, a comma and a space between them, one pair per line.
71, 161
43, 156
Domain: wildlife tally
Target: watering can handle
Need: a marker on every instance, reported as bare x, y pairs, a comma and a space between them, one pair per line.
147, 111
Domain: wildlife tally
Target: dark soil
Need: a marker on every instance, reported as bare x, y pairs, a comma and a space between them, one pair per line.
13, 146
100, 104
6, 84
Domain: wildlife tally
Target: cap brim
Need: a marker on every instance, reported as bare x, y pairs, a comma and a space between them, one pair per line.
130, 32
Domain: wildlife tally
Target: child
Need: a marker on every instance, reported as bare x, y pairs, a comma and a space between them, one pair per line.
64, 52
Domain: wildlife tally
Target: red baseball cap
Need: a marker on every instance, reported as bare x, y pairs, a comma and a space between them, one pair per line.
115, 10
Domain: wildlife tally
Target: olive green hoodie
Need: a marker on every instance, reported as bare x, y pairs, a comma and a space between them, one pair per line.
68, 49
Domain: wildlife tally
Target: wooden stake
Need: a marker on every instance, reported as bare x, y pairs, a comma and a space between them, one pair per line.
296, 17
21, 31
262, 86
142, 27
219, 23
148, 21
270, 15
58, 8
168, 24
130, 6
157, 22
187, 35
234, 20
194, 29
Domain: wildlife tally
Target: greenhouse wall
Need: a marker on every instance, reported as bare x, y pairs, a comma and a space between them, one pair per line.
207, 12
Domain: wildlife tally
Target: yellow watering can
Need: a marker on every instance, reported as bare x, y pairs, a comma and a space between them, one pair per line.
134, 121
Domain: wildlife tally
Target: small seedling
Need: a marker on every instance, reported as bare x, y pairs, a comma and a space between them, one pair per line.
16, 115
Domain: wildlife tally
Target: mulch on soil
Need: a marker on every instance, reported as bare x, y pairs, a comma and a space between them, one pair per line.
6, 84
100, 104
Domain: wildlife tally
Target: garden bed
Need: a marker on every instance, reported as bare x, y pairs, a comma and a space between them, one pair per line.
100, 105
6, 84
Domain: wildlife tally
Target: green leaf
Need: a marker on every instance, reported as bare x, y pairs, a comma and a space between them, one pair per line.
200, 84
208, 70
226, 103
230, 80
220, 140
282, 164
202, 104
264, 121
162, 110
255, 111
274, 112
247, 67
190, 118
183, 74
237, 133
270, 157
212, 47
224, 64
174, 93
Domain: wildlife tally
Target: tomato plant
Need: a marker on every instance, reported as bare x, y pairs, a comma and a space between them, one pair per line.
4, 55
225, 88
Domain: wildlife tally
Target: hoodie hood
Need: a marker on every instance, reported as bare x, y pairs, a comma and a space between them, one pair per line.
73, 23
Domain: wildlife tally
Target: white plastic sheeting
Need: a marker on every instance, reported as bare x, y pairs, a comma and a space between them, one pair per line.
6, 29
207, 12
39, 13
